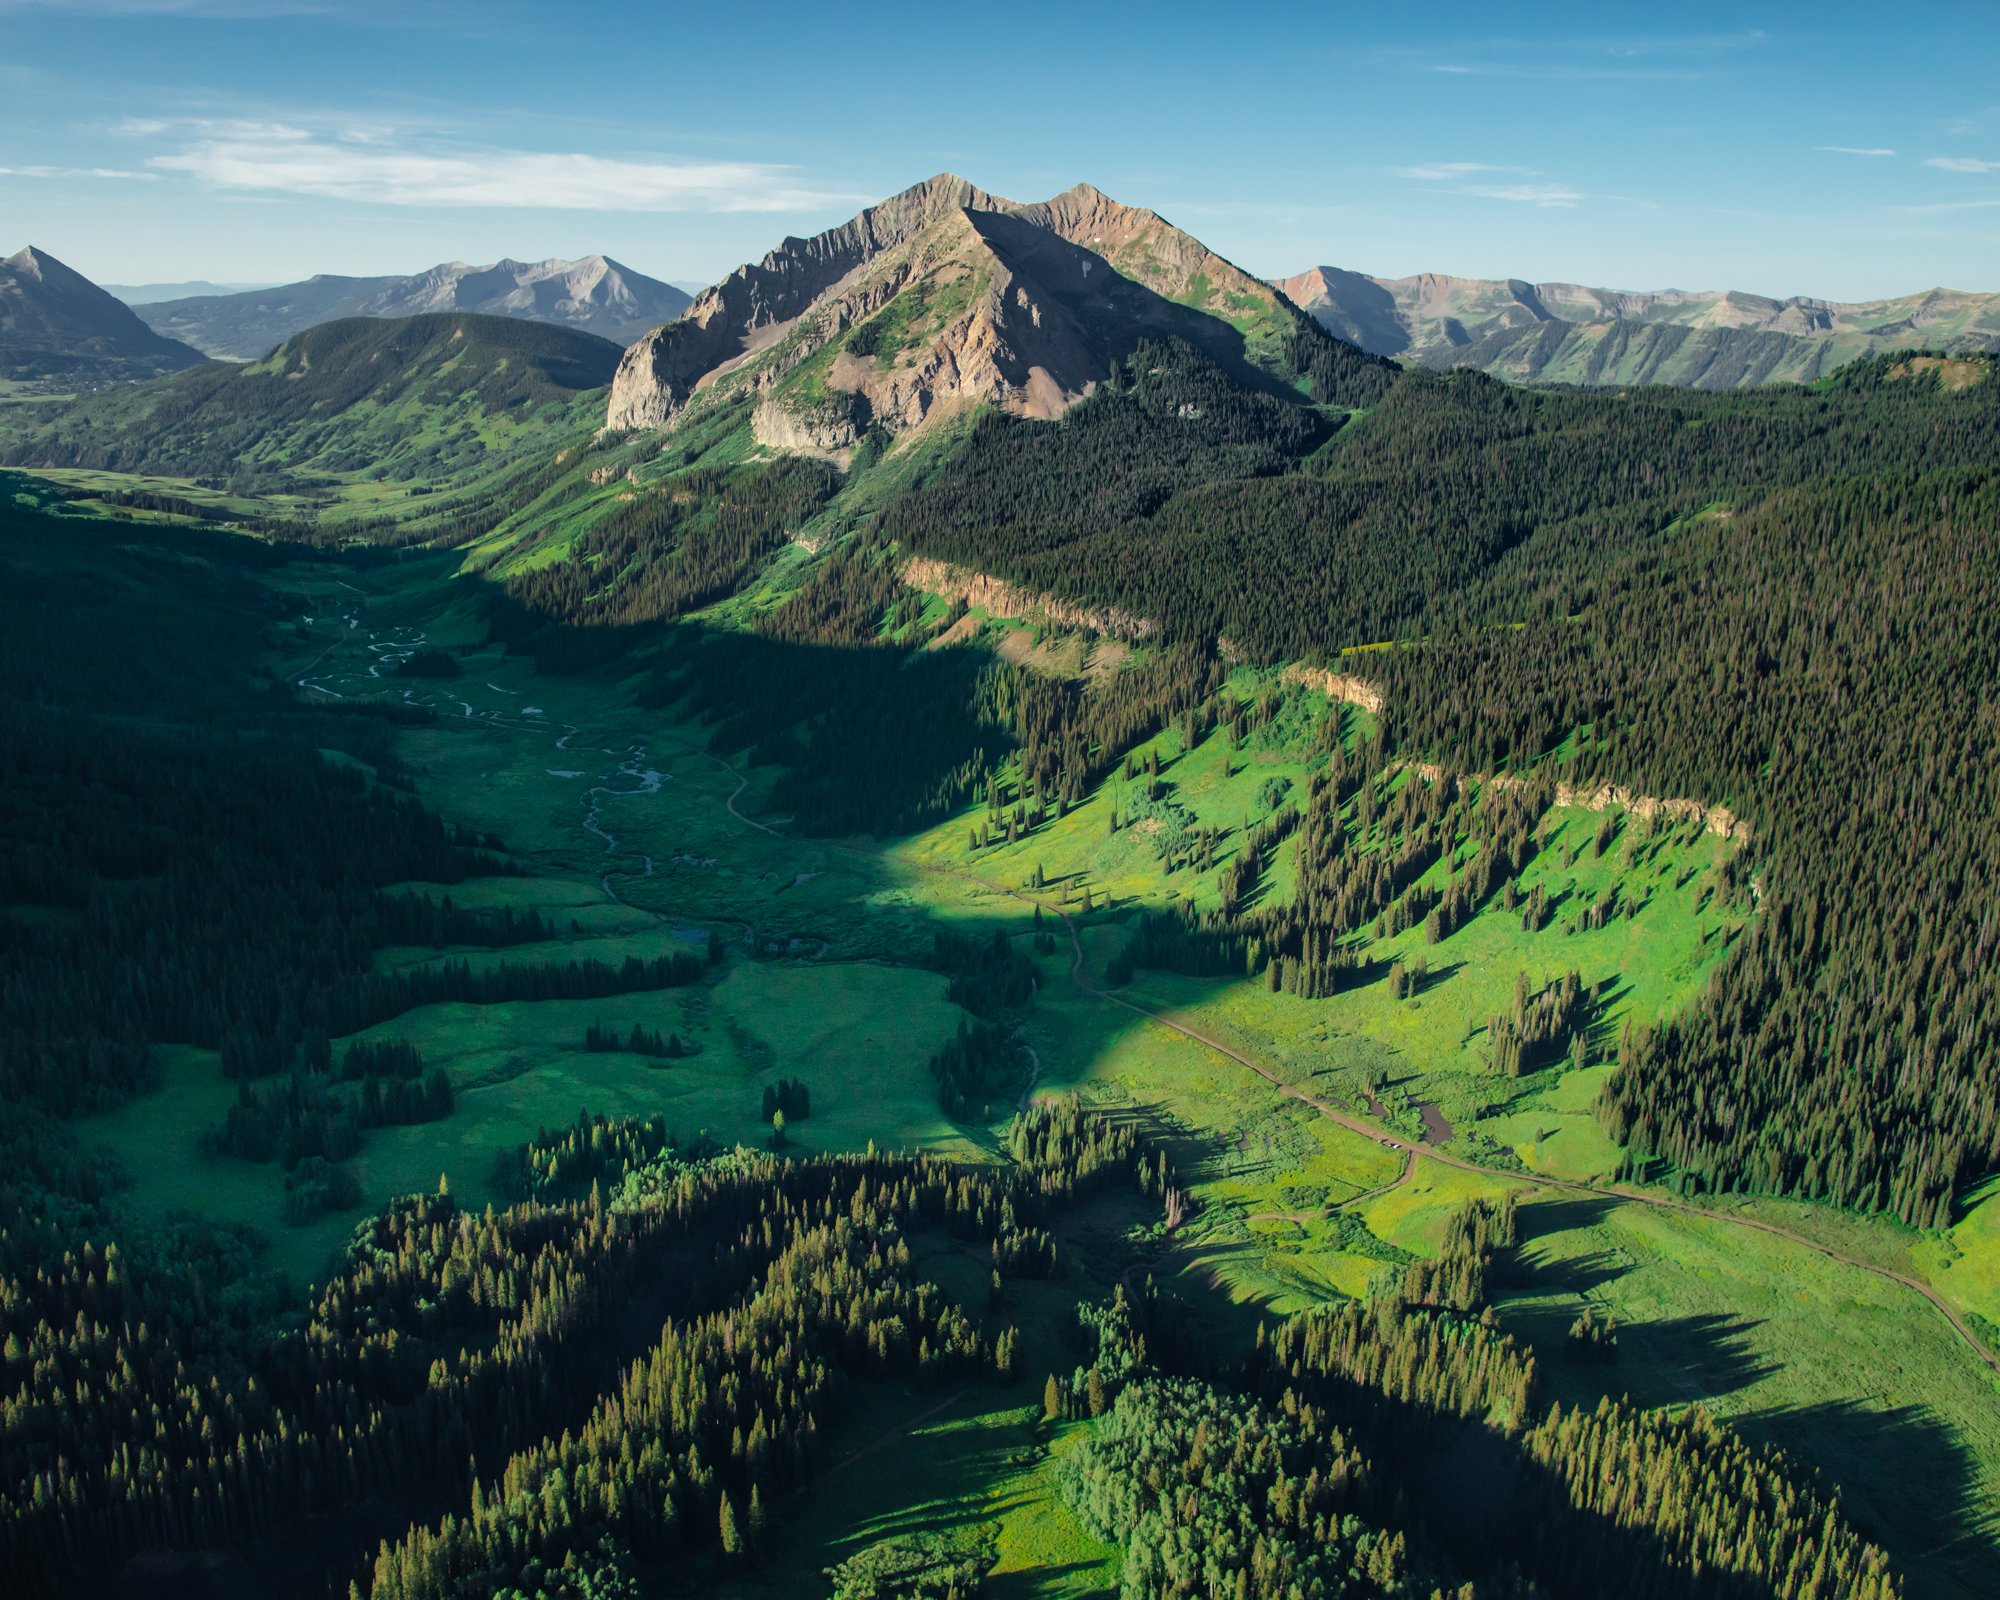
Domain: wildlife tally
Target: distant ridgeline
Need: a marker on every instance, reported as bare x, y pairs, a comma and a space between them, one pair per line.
434, 404
1567, 333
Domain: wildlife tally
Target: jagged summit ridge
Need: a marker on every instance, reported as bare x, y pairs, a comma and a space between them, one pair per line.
937, 298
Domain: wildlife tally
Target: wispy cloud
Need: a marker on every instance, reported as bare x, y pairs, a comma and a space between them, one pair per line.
1533, 194
76, 172
1664, 58
1973, 122
1445, 171
1961, 164
1455, 172
1853, 150
380, 166
1951, 205
224, 10
1570, 72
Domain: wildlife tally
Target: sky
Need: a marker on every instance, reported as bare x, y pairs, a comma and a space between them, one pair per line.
1835, 150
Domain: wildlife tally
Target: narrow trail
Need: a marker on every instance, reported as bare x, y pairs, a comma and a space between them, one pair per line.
1320, 1213
1027, 1094
1413, 1148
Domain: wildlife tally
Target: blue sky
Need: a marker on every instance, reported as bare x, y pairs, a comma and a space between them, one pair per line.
1839, 151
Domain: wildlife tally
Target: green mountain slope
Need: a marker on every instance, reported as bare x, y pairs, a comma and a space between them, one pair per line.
1504, 860
431, 398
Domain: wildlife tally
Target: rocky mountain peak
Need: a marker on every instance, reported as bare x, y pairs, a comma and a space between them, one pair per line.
60, 330
939, 297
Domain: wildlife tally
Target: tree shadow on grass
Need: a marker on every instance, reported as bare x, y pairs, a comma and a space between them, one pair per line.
1543, 1219
1686, 1360
1027, 1582
1906, 1482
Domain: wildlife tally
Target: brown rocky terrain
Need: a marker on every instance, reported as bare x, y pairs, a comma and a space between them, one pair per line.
941, 298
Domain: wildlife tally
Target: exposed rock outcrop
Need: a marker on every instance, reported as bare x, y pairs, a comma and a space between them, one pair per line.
1336, 685
939, 299
1003, 599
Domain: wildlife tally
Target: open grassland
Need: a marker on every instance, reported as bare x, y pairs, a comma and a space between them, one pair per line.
1430, 1046
1852, 1374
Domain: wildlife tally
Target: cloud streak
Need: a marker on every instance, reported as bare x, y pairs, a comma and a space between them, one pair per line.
1444, 171
1853, 150
1961, 164
1454, 172
372, 167
1532, 194
1951, 205
76, 172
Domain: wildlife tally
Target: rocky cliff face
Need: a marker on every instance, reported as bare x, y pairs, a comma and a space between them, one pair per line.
1571, 333
940, 298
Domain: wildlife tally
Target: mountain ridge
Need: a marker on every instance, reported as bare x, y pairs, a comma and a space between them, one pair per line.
592, 294
145, 294
58, 329
1574, 333
944, 297
438, 397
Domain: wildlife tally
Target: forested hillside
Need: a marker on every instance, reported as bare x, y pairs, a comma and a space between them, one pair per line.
1777, 602
1771, 601
437, 397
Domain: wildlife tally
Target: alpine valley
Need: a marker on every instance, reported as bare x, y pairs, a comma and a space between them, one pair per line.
997, 911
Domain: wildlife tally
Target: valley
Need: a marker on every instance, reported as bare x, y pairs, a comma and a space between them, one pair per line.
637, 839
994, 919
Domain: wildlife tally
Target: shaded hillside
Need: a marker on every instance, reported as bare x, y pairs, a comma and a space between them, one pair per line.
1566, 333
59, 331
593, 294
413, 397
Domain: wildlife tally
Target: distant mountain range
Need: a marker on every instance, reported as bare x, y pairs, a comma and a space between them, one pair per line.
969, 297
1566, 333
145, 294
59, 331
594, 294
944, 298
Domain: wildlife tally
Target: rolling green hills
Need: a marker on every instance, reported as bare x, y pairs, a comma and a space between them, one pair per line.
430, 401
